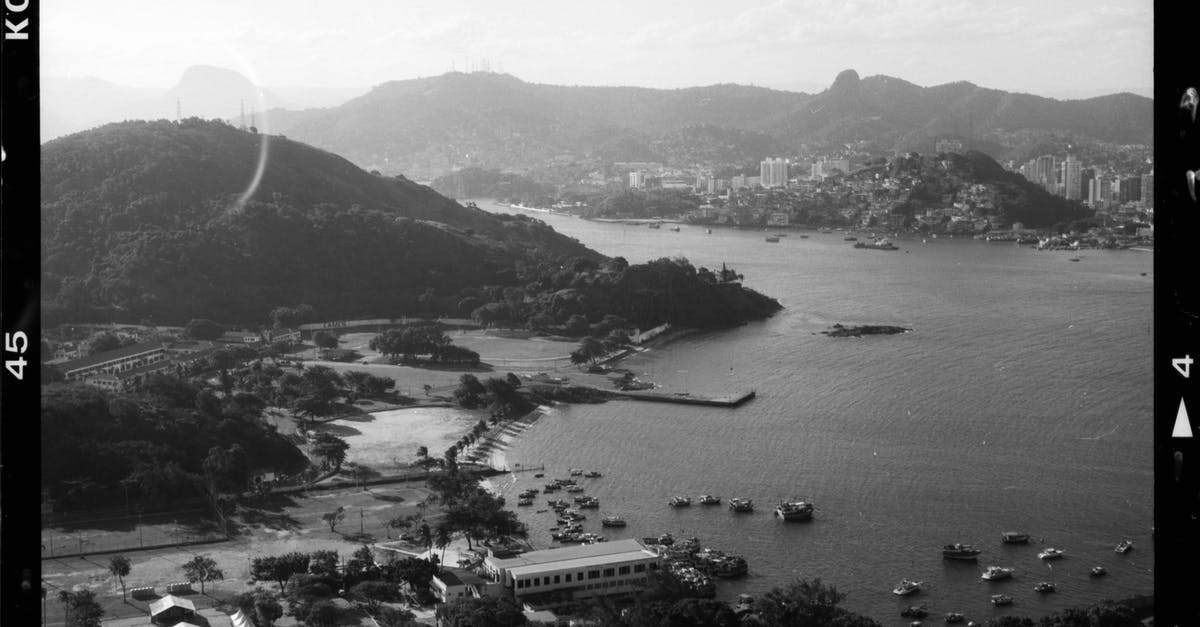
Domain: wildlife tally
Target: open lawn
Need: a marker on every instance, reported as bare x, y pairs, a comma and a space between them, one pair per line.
387, 439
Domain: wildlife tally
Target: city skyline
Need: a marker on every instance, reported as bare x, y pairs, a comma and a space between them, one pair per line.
790, 45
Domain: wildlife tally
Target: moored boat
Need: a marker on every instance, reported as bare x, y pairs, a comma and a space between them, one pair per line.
772, 239
996, 573
906, 587
1014, 537
1001, 599
1124, 547
741, 505
1044, 587
680, 501
591, 474
915, 611
576, 472
1098, 571
960, 551
794, 510
708, 499
954, 618
1051, 553
525, 501
612, 521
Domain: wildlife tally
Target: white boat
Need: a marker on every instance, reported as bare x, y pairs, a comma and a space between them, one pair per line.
1124, 547
708, 499
1001, 599
996, 573
1044, 587
680, 501
906, 587
612, 521
794, 510
741, 505
1014, 537
1098, 571
1051, 553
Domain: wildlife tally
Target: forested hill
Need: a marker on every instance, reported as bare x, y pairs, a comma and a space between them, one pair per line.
143, 220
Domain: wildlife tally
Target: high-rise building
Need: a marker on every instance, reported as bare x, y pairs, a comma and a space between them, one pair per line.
773, 172
1070, 178
1046, 175
827, 167
637, 179
1148, 189
1086, 176
1131, 189
738, 182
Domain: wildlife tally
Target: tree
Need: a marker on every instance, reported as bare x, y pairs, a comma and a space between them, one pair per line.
374, 593
482, 612
81, 607
261, 604
443, 536
417, 573
332, 449
323, 563
119, 566
806, 603
279, 568
423, 452
392, 617
399, 522
103, 342
325, 339
203, 329
202, 568
323, 614
334, 518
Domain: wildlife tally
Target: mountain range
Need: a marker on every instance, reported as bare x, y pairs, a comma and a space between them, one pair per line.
426, 127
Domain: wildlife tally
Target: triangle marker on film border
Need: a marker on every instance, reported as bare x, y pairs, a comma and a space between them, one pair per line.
1183, 426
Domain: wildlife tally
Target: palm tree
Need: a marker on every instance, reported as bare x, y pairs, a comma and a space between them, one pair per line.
443, 536
425, 535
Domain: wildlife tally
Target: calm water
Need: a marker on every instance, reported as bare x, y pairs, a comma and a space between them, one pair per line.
1022, 400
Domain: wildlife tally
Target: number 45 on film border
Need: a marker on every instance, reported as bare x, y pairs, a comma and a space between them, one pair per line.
16, 343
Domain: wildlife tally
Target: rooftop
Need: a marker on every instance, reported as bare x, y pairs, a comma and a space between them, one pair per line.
106, 356
459, 577
575, 556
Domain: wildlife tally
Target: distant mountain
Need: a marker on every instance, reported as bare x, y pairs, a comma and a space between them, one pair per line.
75, 104
430, 126
143, 219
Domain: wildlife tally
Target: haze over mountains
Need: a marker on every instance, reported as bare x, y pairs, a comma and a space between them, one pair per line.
426, 127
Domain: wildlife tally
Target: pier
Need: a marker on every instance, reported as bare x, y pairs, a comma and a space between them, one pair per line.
685, 398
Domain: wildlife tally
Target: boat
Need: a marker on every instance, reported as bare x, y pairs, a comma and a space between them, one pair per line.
953, 618
879, 244
996, 573
794, 510
1001, 599
539, 475
803, 237
826, 231
591, 474
665, 539
576, 472
850, 238
1044, 587
960, 551
1074, 259
525, 501
675, 228
1124, 547
575, 489
655, 226
591, 503
612, 521
680, 501
741, 505
1014, 537
708, 499
772, 239
915, 611
708, 231
1051, 553
906, 587
1098, 571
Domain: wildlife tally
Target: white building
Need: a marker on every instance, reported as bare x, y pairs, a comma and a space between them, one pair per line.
114, 361
773, 172
541, 579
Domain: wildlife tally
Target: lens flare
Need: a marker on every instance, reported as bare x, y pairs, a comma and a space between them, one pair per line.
263, 128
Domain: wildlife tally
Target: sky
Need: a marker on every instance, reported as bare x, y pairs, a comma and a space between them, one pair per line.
1031, 46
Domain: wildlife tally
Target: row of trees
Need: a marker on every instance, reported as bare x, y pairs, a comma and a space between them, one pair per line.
407, 343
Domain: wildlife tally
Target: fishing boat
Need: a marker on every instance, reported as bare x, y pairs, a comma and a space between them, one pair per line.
539, 475
960, 551
772, 239
591, 474
915, 611
1044, 587
576, 472
680, 501
1001, 599
708, 231
1014, 537
655, 226
575, 489
1098, 571
741, 505
708, 499
953, 618
794, 510
1051, 553
525, 501
996, 573
675, 228
906, 587
612, 521
1124, 547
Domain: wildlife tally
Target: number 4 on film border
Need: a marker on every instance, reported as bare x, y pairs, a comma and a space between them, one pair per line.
1183, 365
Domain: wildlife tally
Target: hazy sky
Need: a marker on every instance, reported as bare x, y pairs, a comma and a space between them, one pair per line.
1035, 46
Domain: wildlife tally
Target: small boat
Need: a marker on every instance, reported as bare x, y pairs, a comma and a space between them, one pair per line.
772, 239
575, 489
803, 237
576, 472
655, 226
850, 238
708, 231
1044, 587
539, 475
1051, 553
612, 521
591, 503
680, 501
1014, 537
542, 511
826, 231
1001, 599
915, 611
1074, 259
906, 587
708, 499
666, 539
1124, 547
1098, 571
741, 505
525, 501
675, 228
794, 510
953, 618
996, 573
960, 551
591, 474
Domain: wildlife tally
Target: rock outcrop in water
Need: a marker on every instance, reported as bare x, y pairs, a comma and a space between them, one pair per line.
840, 330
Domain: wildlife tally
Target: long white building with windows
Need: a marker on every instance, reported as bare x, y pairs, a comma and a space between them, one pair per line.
541, 579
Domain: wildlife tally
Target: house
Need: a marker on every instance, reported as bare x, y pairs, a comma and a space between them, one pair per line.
171, 609
291, 336
456, 583
114, 361
244, 337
